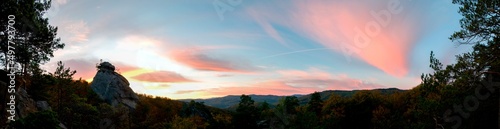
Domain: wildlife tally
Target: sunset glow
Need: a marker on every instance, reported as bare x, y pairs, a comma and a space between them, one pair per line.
275, 47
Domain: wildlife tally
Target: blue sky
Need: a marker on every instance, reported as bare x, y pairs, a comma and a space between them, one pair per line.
211, 48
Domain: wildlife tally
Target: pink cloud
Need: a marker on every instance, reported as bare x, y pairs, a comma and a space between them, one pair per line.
162, 76
122, 68
263, 88
321, 80
195, 58
75, 31
349, 27
290, 87
84, 69
312, 73
294, 82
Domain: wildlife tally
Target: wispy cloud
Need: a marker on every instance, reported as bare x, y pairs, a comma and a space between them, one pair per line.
175, 55
349, 27
291, 82
162, 76
321, 80
262, 88
74, 31
268, 28
195, 58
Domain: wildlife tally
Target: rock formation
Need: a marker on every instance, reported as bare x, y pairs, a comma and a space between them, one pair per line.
43, 105
24, 104
113, 87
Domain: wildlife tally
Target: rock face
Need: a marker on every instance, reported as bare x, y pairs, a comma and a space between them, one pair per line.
43, 105
24, 104
113, 87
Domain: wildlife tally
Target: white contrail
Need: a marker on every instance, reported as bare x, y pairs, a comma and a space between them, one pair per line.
299, 51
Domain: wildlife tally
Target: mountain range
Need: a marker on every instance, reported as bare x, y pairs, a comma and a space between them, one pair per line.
229, 101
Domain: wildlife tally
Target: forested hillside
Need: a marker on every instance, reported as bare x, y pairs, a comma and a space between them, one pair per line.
233, 100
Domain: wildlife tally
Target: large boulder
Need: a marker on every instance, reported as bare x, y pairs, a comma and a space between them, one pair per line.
113, 87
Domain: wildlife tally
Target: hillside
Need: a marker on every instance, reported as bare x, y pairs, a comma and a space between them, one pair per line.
232, 100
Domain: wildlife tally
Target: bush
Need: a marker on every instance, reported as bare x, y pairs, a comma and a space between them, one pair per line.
38, 120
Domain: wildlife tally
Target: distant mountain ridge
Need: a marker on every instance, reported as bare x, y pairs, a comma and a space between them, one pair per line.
231, 100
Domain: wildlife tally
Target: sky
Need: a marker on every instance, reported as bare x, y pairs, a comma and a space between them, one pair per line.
184, 49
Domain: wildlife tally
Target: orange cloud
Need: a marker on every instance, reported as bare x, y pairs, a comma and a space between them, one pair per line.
162, 76
194, 58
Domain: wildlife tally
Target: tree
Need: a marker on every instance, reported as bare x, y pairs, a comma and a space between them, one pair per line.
481, 28
264, 106
315, 104
245, 117
380, 118
34, 39
63, 72
334, 111
265, 114
290, 103
246, 104
79, 114
480, 23
182, 123
39, 86
285, 113
38, 120
305, 119
359, 109
62, 88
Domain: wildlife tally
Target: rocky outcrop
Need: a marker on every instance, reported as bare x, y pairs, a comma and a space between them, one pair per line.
24, 103
113, 87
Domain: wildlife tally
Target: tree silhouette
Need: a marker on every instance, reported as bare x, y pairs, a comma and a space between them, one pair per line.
245, 117
480, 23
34, 39
481, 27
315, 104
291, 102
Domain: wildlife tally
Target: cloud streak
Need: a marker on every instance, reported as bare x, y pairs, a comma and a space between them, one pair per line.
374, 32
162, 76
75, 31
268, 28
292, 82
172, 54
321, 80
198, 60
